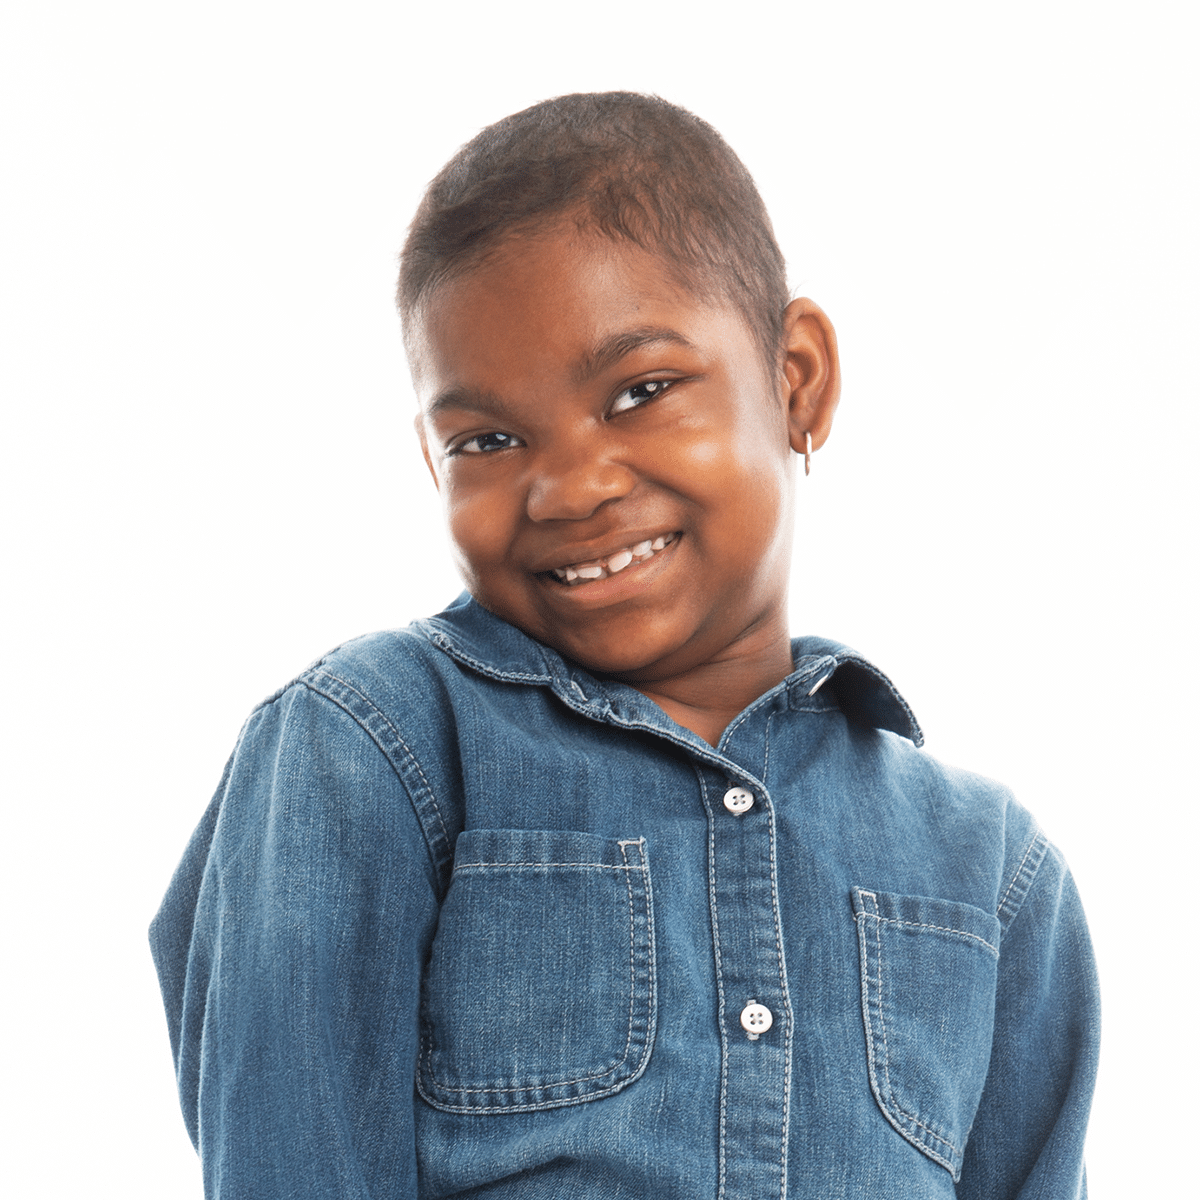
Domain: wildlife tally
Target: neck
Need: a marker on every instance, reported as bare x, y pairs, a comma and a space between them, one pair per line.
706, 697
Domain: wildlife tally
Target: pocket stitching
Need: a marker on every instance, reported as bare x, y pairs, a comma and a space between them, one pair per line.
540, 866
889, 1102
643, 867
629, 1029
962, 933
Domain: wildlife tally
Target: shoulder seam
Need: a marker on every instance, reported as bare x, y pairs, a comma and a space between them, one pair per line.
376, 724
1022, 880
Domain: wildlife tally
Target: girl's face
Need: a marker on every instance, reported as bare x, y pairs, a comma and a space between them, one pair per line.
614, 458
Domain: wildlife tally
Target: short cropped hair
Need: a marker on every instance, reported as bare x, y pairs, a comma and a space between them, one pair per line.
618, 163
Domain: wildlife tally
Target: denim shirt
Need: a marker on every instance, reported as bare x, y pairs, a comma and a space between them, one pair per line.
464, 920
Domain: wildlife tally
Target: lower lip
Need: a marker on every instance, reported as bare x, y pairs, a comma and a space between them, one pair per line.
612, 589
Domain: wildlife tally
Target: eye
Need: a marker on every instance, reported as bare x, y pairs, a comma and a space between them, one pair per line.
638, 394
485, 443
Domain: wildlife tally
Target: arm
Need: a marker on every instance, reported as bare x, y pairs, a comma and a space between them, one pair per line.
289, 950
1027, 1140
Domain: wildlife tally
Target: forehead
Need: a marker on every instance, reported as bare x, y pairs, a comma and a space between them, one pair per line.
560, 302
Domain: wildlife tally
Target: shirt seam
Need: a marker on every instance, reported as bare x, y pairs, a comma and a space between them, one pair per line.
312, 681
1018, 887
783, 984
716, 934
458, 867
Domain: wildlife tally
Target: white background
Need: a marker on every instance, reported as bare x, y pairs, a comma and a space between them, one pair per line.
209, 475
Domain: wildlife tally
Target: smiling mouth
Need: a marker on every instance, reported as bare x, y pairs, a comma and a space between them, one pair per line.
601, 568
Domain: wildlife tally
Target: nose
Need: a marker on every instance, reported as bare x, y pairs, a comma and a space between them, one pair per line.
570, 482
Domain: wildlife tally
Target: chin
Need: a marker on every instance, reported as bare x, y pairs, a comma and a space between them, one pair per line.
629, 658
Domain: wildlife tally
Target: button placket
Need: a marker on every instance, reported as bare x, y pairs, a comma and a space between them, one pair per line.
755, 1035
756, 1019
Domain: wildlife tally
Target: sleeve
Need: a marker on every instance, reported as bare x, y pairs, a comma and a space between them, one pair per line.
1027, 1140
289, 951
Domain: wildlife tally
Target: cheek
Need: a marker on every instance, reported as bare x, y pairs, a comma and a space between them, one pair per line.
695, 457
742, 475
733, 430
478, 520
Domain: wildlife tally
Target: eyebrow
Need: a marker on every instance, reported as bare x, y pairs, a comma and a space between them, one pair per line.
487, 403
612, 349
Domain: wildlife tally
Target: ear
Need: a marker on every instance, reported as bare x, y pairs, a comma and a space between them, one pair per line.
419, 426
812, 372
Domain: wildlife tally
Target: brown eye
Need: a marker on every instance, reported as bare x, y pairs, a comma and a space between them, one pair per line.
485, 443
638, 394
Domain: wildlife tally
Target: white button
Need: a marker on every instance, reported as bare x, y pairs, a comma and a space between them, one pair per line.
756, 1018
738, 800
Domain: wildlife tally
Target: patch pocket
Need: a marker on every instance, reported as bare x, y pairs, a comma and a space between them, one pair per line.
928, 971
540, 989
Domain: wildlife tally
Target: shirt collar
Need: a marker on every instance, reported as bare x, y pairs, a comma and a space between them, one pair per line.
492, 647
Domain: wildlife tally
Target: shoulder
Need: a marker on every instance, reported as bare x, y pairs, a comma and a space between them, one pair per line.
398, 689
356, 747
401, 702
397, 678
348, 698
987, 823
957, 829
980, 828
391, 672
883, 745
431, 665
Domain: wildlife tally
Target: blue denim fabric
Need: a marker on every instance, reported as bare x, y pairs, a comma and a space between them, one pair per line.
464, 920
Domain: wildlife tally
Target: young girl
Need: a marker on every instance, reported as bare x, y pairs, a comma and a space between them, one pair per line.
597, 884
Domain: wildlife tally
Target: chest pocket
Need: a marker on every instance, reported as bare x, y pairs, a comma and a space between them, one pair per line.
540, 989
928, 971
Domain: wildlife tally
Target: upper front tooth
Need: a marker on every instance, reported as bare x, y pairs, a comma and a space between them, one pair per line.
642, 548
592, 572
620, 561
